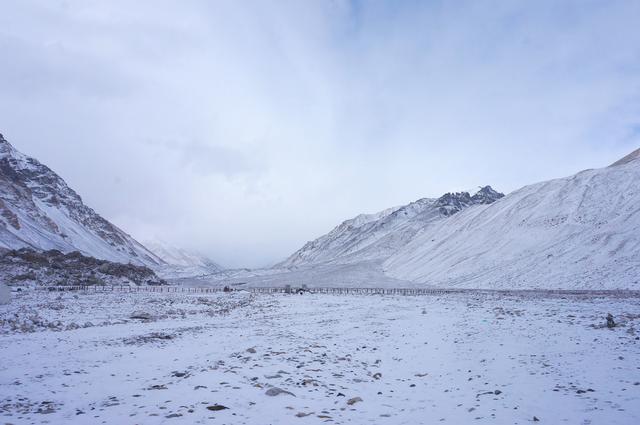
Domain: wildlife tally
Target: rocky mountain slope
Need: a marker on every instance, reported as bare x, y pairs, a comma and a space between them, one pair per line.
372, 237
181, 262
39, 210
26, 266
579, 232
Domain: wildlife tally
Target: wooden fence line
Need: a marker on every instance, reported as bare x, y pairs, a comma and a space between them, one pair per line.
326, 290
254, 290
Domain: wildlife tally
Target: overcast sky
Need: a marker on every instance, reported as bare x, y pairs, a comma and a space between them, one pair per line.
245, 128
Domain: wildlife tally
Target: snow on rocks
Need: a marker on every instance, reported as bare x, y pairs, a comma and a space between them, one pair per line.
275, 391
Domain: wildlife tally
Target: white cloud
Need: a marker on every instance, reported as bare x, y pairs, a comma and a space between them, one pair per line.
243, 129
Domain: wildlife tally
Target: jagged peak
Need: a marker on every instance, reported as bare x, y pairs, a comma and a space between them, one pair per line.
487, 195
451, 203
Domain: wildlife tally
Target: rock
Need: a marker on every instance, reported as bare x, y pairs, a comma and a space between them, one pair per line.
276, 376
302, 414
610, 322
173, 415
251, 350
275, 391
142, 315
158, 387
536, 419
354, 400
217, 407
377, 375
497, 392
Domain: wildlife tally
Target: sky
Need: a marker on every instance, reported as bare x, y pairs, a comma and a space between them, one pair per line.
243, 129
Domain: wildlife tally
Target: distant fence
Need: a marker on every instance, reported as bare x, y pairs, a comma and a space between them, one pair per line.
255, 290
334, 291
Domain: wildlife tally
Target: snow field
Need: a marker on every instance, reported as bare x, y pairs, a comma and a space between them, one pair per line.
459, 358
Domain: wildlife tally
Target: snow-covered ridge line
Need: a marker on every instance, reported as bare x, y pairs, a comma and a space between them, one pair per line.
39, 210
378, 236
578, 232
181, 262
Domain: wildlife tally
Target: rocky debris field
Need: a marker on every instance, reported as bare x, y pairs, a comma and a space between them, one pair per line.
236, 358
28, 267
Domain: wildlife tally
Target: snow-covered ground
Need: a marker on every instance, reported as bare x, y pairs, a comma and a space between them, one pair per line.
474, 357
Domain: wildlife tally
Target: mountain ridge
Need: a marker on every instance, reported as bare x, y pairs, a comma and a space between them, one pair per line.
181, 262
39, 210
377, 236
575, 232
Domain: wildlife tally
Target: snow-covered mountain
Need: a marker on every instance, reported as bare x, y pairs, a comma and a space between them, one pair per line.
579, 232
375, 237
181, 262
38, 210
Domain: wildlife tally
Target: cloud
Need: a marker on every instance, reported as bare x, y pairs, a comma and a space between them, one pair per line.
243, 129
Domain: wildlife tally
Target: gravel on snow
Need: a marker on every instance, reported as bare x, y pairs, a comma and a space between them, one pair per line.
145, 358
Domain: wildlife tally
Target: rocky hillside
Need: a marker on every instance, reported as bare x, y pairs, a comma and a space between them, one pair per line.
39, 210
378, 236
50, 268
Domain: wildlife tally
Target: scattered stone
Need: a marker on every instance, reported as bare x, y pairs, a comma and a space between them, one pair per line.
276, 376
610, 322
303, 415
46, 407
275, 391
158, 387
217, 407
354, 400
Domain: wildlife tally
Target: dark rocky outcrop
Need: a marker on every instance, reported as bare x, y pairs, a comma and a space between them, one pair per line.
451, 203
29, 266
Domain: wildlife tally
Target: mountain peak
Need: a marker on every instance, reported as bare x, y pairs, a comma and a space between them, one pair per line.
451, 203
486, 195
627, 159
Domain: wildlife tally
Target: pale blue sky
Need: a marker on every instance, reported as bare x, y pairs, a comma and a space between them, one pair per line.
245, 128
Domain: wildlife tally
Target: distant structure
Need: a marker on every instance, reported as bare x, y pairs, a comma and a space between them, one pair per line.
5, 294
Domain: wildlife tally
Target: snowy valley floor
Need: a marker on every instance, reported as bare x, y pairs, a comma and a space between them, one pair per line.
458, 359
